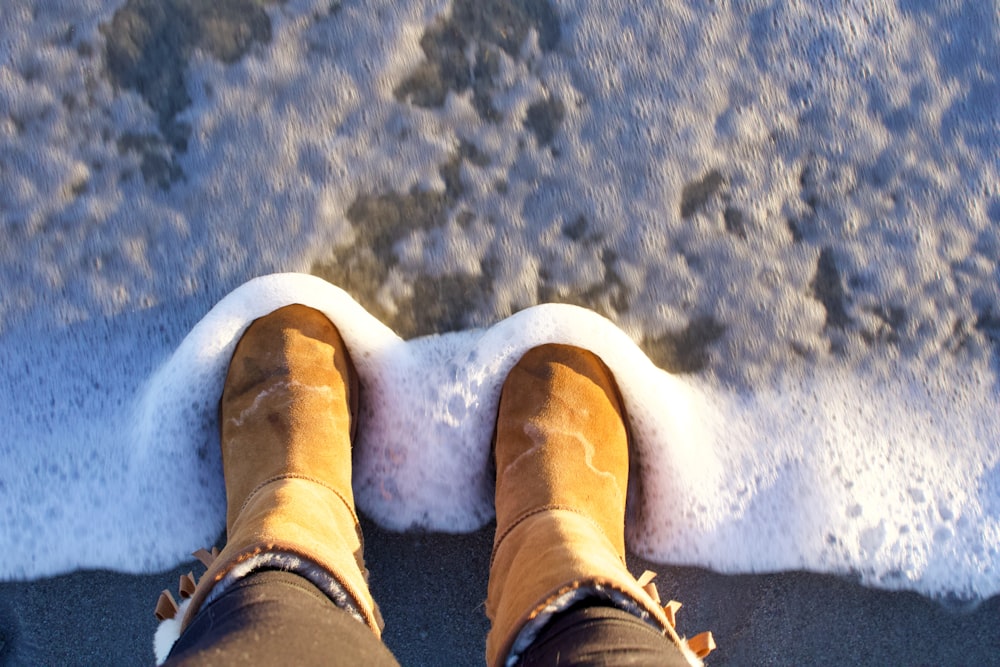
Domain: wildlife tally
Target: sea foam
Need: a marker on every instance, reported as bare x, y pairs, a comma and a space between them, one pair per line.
792, 206
835, 473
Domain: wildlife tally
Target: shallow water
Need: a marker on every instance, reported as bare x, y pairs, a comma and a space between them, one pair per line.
792, 208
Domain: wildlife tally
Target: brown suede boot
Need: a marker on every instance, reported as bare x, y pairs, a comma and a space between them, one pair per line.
562, 463
287, 415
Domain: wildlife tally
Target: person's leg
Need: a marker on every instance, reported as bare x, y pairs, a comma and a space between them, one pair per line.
558, 580
599, 635
272, 617
286, 414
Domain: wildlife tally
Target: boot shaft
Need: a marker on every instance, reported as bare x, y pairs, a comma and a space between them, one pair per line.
286, 431
286, 406
561, 442
562, 460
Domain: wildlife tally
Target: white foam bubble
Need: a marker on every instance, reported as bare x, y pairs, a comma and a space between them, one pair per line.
838, 472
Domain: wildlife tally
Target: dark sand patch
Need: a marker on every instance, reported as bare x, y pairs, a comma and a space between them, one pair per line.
432, 589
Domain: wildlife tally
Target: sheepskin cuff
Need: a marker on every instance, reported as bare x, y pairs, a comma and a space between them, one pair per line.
601, 594
287, 562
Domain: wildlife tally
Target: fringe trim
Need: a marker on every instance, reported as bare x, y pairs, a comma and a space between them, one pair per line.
168, 632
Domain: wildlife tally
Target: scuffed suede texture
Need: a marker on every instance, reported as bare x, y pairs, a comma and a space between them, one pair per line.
286, 420
561, 442
562, 460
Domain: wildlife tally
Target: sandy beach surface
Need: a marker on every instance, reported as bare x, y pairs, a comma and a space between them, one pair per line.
792, 208
431, 589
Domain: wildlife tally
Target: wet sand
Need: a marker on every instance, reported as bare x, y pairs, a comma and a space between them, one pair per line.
432, 587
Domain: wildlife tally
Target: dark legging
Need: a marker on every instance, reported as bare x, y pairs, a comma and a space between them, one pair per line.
600, 636
277, 618
272, 617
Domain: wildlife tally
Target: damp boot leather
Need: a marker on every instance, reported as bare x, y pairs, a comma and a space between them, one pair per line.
561, 451
286, 427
